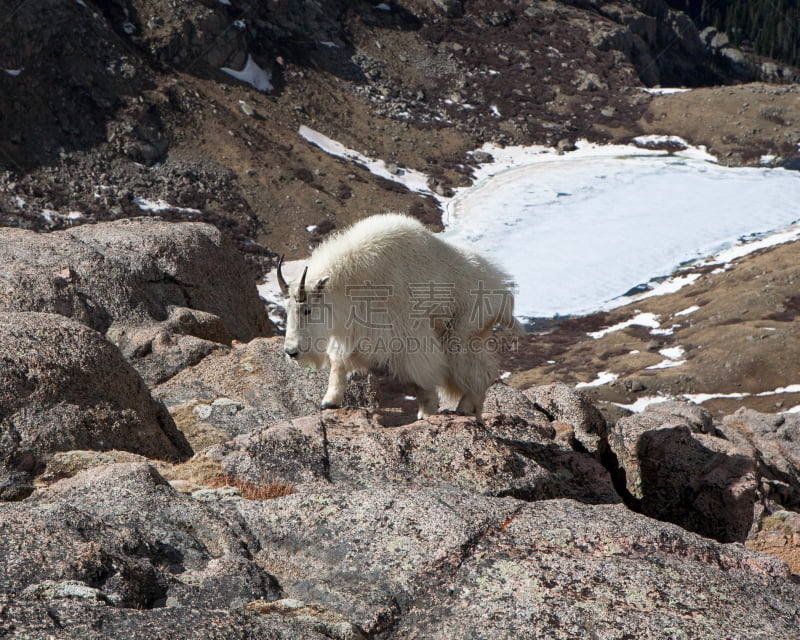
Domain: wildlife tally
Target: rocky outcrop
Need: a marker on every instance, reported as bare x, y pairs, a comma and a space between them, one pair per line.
167, 294
251, 385
133, 272
387, 561
675, 472
439, 528
773, 441
549, 520
63, 387
562, 404
353, 450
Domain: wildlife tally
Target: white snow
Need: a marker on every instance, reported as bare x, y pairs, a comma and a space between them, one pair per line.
413, 180
699, 398
644, 141
673, 353
642, 403
252, 74
161, 205
604, 377
673, 357
663, 92
580, 229
688, 310
649, 320
726, 256
270, 290
792, 388
50, 216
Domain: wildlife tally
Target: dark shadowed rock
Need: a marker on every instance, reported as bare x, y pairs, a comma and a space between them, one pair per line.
251, 385
353, 450
62, 387
773, 440
115, 552
181, 553
73, 618
676, 473
141, 281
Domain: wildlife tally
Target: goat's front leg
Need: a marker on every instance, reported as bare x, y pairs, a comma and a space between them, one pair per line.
337, 384
428, 401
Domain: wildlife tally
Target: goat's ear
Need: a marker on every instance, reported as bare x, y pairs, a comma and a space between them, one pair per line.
321, 284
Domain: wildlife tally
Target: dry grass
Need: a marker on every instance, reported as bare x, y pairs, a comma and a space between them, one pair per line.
194, 473
249, 491
203, 472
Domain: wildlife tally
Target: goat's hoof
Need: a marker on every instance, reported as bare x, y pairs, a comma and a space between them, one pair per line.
329, 405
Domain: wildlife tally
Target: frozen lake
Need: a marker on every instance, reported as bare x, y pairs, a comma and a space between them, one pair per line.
579, 230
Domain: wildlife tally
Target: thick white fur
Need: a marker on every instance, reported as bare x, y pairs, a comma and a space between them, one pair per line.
392, 252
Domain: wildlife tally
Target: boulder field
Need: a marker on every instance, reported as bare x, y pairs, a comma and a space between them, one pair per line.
164, 470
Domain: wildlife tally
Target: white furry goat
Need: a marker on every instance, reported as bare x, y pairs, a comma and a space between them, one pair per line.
387, 293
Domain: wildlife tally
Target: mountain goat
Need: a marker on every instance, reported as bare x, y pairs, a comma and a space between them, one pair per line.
388, 293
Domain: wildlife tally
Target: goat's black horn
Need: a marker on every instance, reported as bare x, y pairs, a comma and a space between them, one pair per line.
281, 281
301, 290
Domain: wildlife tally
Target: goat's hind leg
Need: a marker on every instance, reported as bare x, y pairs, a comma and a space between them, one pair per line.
469, 405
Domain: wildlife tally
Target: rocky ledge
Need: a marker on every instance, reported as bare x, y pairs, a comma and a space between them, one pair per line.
165, 471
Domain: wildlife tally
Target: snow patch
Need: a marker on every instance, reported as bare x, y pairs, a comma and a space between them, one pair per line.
673, 357
156, 206
252, 74
649, 320
688, 310
658, 91
604, 377
642, 403
576, 230
412, 180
